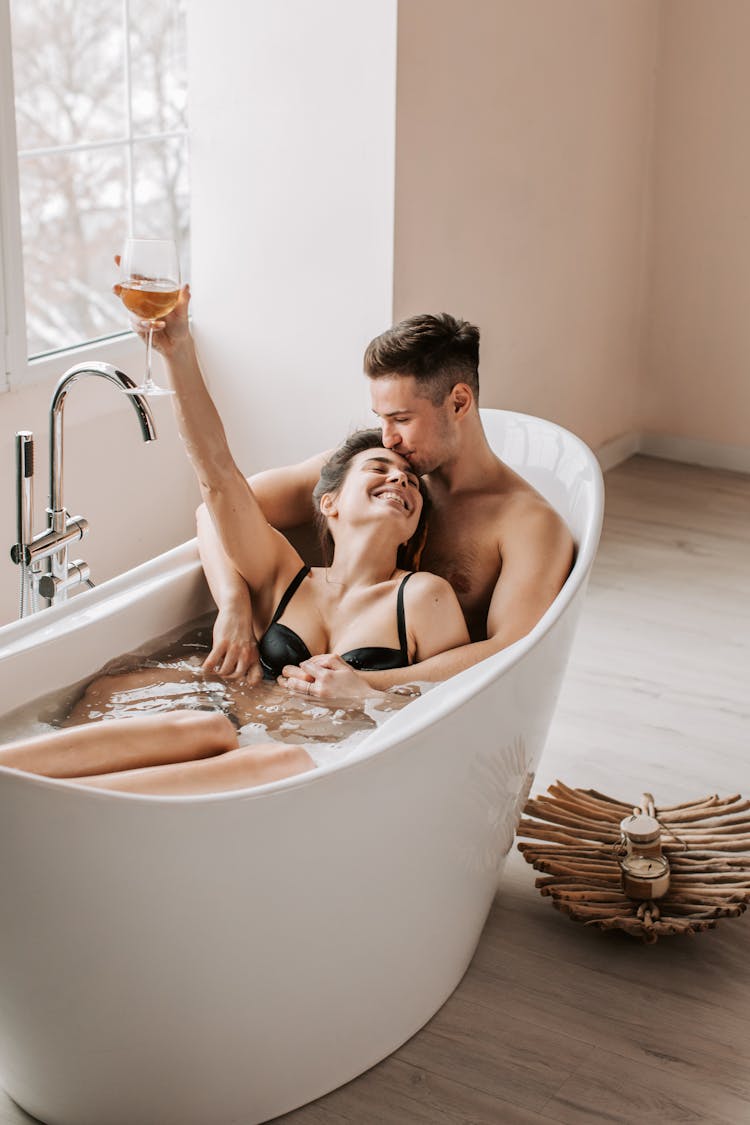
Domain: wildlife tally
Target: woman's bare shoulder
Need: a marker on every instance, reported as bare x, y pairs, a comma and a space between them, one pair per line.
427, 589
434, 616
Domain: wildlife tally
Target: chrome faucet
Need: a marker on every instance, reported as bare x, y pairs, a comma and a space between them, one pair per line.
50, 547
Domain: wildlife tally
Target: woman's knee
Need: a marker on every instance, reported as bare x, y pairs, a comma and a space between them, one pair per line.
208, 730
295, 759
273, 761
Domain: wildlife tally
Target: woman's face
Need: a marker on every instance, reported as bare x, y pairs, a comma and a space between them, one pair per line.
379, 485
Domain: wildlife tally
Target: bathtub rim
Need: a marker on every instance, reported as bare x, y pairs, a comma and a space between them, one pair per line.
184, 557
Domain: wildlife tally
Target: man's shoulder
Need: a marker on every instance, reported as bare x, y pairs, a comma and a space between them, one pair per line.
524, 499
515, 507
503, 489
532, 528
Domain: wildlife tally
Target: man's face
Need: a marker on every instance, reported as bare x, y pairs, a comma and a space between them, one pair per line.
413, 426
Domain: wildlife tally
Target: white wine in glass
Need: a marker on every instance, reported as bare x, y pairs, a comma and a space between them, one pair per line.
149, 288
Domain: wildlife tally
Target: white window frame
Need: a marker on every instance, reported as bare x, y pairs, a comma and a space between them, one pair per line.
16, 369
12, 311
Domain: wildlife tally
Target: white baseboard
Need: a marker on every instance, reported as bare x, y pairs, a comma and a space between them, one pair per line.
712, 454
617, 450
693, 451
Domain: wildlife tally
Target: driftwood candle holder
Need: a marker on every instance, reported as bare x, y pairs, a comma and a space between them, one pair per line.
579, 833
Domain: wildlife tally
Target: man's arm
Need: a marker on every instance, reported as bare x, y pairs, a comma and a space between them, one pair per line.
536, 560
285, 497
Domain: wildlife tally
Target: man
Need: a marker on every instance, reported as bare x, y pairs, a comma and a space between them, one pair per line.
502, 547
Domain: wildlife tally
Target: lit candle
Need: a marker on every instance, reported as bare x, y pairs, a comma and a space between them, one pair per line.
644, 877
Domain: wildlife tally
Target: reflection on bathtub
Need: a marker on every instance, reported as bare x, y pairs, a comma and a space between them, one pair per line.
498, 784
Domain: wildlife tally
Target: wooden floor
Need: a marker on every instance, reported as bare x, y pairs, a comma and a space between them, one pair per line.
554, 1022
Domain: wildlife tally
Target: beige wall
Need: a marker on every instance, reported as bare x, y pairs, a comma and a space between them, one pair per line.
523, 158
697, 357
574, 177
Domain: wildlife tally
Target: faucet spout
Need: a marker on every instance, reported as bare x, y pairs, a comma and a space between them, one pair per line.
59, 524
50, 547
105, 371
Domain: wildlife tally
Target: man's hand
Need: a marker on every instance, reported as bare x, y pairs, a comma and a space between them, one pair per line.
235, 649
326, 677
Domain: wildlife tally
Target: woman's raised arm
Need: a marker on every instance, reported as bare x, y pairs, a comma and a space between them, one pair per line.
256, 550
285, 496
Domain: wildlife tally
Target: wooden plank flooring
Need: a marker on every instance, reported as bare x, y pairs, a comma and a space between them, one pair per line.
554, 1022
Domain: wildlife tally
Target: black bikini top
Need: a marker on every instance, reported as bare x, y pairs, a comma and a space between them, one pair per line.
280, 645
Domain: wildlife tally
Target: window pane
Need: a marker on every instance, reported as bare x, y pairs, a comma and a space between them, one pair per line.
73, 62
69, 71
161, 191
158, 66
74, 218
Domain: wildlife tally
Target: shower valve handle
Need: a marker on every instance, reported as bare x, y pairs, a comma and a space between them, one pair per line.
50, 541
78, 575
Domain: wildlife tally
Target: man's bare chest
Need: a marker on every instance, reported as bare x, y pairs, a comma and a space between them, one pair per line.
463, 547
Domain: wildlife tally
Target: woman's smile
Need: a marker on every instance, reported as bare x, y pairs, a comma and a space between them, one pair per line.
391, 495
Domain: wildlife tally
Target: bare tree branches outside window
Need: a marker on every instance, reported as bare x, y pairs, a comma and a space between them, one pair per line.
101, 119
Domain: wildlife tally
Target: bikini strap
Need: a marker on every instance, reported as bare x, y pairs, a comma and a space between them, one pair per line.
401, 618
289, 593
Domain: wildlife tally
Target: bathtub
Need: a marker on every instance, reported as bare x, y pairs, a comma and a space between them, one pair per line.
226, 958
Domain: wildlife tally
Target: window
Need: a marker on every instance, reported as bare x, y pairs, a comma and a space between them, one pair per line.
100, 96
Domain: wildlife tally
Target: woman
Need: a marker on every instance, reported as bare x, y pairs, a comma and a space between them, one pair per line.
364, 604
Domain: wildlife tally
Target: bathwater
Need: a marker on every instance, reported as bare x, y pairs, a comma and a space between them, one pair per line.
167, 675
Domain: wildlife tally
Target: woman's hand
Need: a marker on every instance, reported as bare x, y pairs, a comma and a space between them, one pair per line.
172, 331
326, 677
235, 649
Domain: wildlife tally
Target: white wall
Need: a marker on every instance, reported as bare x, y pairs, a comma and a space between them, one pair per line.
139, 499
292, 124
292, 118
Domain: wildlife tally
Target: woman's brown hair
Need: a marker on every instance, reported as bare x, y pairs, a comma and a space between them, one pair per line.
333, 475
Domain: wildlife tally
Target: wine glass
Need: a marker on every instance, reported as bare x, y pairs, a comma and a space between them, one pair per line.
149, 288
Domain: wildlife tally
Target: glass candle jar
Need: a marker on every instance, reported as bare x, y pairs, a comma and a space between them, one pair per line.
641, 834
644, 877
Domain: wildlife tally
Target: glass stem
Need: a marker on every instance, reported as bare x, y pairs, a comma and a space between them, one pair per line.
148, 352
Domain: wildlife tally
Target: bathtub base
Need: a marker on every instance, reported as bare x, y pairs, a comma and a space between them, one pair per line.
172, 1098
151, 1015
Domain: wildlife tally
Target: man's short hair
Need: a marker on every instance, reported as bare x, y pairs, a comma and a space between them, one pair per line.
438, 350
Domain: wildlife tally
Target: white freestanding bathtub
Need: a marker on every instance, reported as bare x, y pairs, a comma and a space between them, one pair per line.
222, 959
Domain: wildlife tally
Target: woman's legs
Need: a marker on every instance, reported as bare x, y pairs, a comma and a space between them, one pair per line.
122, 744
242, 768
176, 752
181, 684
144, 691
